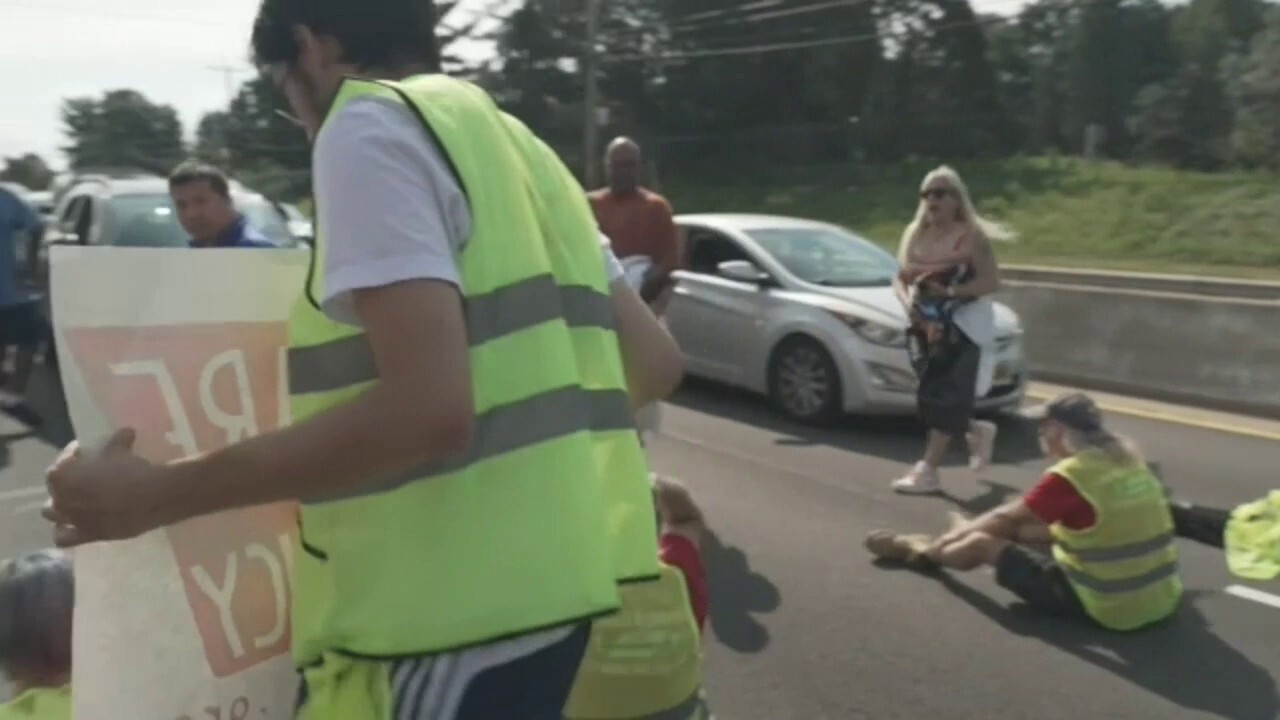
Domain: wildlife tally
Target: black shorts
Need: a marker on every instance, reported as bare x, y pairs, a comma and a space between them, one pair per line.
22, 325
1038, 580
948, 386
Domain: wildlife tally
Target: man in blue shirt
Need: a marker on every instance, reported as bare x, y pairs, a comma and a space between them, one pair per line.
21, 324
202, 196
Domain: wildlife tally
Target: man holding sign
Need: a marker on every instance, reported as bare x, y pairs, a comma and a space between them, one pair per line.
462, 378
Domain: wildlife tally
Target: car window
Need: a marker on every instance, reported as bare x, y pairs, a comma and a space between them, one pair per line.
146, 220
707, 249
828, 255
263, 216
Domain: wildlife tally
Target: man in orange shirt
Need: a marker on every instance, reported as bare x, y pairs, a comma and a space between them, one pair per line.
637, 221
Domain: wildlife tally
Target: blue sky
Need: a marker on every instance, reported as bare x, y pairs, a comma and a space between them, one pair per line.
169, 51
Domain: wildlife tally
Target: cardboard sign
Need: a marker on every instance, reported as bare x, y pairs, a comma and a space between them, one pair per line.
189, 348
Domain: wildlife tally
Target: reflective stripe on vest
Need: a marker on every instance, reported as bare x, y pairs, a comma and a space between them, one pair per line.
551, 506
1125, 568
644, 663
349, 361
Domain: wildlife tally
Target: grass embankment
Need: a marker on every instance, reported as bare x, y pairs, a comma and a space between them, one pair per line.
1067, 212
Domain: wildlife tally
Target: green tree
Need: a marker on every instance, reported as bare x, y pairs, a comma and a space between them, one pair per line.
1254, 81
122, 129
29, 170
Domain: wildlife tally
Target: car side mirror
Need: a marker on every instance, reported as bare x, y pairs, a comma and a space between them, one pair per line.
742, 271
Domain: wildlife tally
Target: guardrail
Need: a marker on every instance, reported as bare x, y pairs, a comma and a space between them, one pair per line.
1212, 342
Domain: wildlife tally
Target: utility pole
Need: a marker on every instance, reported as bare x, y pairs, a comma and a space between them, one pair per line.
229, 73
591, 98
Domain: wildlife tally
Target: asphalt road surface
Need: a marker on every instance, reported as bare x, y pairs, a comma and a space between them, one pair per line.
804, 627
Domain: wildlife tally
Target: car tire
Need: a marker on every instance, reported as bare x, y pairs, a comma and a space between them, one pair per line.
804, 383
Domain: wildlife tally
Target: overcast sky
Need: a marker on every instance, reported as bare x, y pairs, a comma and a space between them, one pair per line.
170, 51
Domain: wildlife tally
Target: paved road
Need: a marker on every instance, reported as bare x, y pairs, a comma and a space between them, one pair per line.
803, 627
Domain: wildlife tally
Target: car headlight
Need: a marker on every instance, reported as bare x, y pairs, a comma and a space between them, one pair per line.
873, 332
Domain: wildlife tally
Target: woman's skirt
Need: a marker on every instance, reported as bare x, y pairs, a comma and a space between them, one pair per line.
948, 385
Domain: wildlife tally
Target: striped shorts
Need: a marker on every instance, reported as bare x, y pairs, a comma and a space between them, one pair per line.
525, 678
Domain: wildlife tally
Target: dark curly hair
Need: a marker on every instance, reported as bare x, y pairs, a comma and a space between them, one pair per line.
37, 598
373, 33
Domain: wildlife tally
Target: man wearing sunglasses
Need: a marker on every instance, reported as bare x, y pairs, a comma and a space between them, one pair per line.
463, 377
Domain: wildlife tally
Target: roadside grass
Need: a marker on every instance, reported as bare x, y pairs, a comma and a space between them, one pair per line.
1067, 212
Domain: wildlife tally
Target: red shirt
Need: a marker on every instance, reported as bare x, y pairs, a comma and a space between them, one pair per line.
1055, 500
679, 552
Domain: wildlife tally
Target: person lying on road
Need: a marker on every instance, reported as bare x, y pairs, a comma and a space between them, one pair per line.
1100, 508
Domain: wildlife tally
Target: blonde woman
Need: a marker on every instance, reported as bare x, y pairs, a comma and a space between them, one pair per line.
948, 272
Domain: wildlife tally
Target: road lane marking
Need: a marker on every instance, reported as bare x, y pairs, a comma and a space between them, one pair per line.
29, 507
1188, 416
1258, 596
22, 493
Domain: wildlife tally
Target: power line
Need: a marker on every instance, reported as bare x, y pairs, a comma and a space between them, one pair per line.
763, 48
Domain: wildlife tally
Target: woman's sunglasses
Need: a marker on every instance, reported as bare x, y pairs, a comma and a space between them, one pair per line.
935, 194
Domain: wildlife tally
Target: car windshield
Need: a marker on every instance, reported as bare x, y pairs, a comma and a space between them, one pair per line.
150, 221
828, 256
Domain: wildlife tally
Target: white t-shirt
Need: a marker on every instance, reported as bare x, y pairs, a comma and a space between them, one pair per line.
391, 210
388, 204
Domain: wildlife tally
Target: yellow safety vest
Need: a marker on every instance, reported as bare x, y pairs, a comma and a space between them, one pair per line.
551, 508
1125, 567
644, 663
39, 704
1252, 538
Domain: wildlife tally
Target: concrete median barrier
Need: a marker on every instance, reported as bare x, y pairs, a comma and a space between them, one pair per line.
1208, 342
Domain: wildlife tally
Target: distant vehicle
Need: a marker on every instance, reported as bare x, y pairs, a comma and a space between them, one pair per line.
136, 211
805, 313
299, 224
43, 200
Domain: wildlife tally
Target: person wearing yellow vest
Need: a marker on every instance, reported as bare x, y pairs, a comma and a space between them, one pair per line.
1249, 534
645, 663
463, 379
37, 595
1100, 508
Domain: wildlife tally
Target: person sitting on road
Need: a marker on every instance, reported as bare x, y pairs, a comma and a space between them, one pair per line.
37, 597
645, 661
1250, 534
1100, 507
202, 196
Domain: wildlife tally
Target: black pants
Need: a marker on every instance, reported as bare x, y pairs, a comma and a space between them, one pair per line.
1039, 581
948, 385
1204, 525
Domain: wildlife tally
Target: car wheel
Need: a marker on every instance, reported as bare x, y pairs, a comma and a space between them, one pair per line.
804, 382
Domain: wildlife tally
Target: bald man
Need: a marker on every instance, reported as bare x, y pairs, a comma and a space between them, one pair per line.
637, 221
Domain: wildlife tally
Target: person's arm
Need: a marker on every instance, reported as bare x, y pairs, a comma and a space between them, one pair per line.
986, 271
666, 260
394, 218
1006, 521
653, 362
419, 412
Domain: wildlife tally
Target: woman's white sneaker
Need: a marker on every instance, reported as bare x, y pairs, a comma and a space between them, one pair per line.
922, 480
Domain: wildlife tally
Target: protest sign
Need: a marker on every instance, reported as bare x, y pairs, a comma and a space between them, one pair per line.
190, 622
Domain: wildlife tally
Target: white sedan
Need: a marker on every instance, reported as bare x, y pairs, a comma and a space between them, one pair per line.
805, 313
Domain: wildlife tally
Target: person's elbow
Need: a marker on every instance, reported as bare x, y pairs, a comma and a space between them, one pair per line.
432, 423
668, 369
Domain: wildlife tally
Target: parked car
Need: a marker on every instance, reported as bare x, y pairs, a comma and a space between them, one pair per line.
805, 313
299, 224
137, 212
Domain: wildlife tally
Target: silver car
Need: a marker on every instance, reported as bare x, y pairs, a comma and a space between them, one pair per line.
805, 313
